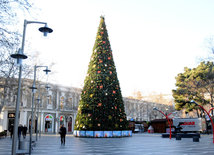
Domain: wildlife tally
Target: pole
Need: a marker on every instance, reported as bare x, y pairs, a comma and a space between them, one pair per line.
36, 125
32, 113
40, 113
40, 123
37, 118
15, 129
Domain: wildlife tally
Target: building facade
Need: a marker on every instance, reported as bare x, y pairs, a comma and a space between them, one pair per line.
59, 106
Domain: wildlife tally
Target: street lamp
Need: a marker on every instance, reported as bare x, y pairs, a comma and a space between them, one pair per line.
192, 101
19, 56
167, 117
33, 92
38, 104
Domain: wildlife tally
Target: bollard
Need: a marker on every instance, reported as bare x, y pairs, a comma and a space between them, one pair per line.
195, 139
178, 137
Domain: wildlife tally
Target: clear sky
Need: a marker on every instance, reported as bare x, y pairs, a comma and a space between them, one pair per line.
152, 40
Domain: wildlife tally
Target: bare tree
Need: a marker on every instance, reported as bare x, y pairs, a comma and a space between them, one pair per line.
9, 43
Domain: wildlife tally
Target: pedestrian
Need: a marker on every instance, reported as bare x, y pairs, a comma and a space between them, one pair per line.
24, 131
11, 130
62, 132
19, 131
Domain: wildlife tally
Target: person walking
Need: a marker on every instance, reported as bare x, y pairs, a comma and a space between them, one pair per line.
19, 131
62, 132
11, 131
24, 131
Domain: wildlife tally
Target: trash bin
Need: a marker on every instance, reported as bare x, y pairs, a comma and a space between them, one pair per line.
23, 145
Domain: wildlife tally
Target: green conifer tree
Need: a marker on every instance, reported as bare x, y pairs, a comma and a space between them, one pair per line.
101, 105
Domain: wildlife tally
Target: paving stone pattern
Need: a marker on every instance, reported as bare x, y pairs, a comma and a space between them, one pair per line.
138, 144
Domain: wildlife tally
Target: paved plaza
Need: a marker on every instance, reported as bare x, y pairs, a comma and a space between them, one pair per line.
138, 144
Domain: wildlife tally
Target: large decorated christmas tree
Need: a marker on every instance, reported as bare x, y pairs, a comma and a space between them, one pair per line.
101, 105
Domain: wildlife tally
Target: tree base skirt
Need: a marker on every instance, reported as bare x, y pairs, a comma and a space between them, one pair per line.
103, 134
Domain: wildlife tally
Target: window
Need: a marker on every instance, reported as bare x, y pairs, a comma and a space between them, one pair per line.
50, 100
62, 101
70, 102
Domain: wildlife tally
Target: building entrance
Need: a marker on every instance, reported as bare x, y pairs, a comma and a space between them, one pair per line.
48, 123
70, 124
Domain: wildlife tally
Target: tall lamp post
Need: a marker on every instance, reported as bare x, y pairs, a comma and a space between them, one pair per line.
192, 101
33, 94
19, 56
38, 104
167, 117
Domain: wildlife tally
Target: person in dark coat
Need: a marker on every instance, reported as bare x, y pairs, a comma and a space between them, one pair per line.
11, 131
24, 131
19, 131
62, 132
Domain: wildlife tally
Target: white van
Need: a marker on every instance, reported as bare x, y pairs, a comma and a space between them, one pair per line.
190, 124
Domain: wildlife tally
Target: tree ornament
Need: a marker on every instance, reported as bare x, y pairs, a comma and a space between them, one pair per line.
121, 120
101, 86
101, 32
104, 42
98, 72
99, 104
114, 91
100, 61
110, 72
98, 124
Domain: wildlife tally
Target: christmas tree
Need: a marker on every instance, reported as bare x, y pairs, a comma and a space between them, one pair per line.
101, 106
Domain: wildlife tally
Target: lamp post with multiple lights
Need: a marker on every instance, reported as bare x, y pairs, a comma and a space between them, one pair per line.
33, 94
19, 56
38, 104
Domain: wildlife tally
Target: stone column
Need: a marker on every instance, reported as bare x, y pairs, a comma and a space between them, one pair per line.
42, 122
23, 118
56, 124
4, 120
